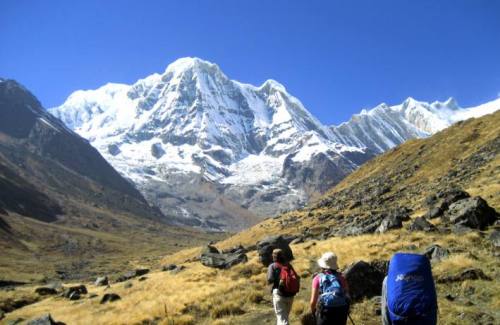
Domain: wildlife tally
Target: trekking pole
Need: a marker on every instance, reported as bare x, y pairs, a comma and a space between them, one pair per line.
349, 315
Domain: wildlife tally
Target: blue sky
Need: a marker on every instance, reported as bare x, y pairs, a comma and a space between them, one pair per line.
337, 57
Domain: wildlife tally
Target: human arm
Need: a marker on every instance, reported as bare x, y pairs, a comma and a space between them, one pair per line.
270, 274
314, 295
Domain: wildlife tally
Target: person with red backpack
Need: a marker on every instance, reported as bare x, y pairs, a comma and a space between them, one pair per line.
330, 293
285, 285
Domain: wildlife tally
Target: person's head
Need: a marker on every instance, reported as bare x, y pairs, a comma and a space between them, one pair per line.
279, 256
328, 261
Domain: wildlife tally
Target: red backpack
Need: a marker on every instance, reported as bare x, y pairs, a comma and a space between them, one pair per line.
289, 280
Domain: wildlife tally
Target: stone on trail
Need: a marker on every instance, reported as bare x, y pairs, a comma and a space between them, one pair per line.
110, 297
265, 249
471, 212
364, 280
101, 281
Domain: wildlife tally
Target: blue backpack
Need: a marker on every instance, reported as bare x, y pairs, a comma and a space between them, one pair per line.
411, 295
331, 292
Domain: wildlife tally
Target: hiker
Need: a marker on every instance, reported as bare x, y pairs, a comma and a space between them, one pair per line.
330, 293
285, 285
408, 291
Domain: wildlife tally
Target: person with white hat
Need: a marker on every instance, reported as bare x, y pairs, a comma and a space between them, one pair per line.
330, 293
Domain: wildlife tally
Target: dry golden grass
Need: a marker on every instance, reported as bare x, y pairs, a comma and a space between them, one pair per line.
203, 295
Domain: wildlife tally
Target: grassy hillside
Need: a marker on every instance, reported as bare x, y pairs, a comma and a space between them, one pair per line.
465, 155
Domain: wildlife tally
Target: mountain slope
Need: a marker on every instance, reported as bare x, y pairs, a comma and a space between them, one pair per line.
256, 150
385, 127
62, 206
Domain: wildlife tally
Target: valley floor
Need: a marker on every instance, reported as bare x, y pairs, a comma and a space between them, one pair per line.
202, 295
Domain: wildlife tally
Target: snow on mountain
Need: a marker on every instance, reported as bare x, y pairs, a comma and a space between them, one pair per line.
217, 153
192, 127
385, 127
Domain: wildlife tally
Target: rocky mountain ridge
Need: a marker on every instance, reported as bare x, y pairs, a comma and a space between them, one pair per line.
216, 153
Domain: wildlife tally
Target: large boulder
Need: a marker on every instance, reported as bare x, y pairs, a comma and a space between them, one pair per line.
211, 257
471, 212
74, 292
364, 279
265, 249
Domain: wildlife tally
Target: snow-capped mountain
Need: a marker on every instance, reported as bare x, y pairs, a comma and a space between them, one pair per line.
210, 151
216, 153
385, 127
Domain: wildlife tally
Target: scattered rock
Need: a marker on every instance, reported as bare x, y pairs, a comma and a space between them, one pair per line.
44, 320
436, 253
74, 296
390, 222
45, 291
460, 230
74, 293
101, 281
421, 224
472, 212
168, 267
132, 274
93, 295
235, 250
142, 278
128, 285
265, 249
110, 297
433, 213
377, 305
469, 274
495, 238
364, 279
450, 297
2, 314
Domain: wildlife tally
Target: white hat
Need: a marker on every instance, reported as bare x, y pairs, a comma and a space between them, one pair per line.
328, 261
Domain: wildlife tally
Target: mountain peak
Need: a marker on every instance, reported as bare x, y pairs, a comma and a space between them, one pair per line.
190, 63
273, 84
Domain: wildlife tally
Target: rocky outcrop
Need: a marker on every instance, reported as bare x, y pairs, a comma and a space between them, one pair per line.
211, 257
471, 212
